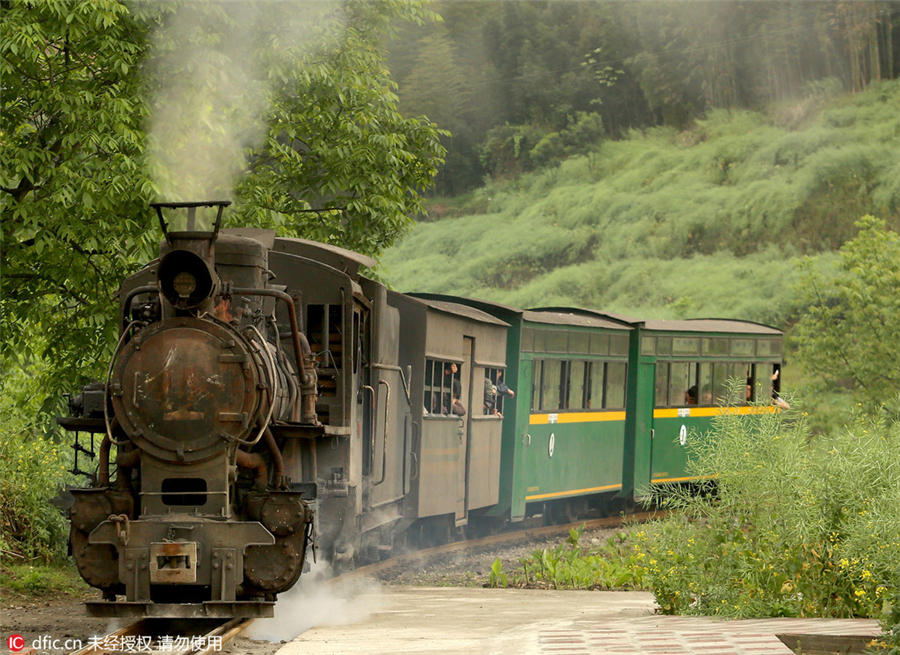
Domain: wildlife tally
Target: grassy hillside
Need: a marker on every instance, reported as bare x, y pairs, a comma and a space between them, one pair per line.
710, 221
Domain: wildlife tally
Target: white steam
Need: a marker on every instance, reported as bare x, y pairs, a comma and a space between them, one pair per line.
317, 601
212, 75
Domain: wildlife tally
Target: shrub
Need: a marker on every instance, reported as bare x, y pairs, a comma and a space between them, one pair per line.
612, 565
796, 526
32, 471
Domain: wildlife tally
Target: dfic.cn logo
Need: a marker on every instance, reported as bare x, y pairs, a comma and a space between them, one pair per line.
15, 643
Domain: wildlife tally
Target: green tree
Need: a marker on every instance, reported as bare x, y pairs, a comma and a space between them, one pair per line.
850, 332
72, 191
339, 163
438, 89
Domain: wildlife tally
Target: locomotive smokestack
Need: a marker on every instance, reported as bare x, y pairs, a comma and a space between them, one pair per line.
187, 274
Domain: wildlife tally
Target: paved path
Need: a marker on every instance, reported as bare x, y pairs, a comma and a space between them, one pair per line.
457, 621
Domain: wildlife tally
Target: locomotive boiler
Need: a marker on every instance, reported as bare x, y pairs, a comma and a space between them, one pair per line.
200, 518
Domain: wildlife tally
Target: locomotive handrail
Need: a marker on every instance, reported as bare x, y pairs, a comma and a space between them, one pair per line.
126, 304
391, 367
370, 460
109, 371
387, 411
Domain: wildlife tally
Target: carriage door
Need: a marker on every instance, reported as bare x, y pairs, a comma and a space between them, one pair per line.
644, 433
462, 470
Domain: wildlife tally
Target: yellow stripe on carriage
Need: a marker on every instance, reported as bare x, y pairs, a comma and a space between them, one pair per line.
575, 417
574, 492
697, 412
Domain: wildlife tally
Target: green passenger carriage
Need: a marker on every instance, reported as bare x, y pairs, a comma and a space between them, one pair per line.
606, 403
681, 374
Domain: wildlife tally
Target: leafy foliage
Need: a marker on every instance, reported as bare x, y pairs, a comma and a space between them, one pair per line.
73, 192
851, 328
570, 565
32, 470
339, 162
42, 580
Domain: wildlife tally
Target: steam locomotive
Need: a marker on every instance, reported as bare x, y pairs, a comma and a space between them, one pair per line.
265, 401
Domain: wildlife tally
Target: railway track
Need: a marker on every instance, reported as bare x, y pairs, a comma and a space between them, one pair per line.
207, 636
493, 540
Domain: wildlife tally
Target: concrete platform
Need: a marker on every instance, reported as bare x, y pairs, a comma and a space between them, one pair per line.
456, 621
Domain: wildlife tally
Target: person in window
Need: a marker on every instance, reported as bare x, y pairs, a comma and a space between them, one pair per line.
777, 400
502, 390
452, 401
490, 397
690, 396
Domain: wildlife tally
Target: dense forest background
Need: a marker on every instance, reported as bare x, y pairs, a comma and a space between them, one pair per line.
523, 83
660, 159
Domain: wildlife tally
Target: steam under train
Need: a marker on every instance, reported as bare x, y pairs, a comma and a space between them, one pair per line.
266, 401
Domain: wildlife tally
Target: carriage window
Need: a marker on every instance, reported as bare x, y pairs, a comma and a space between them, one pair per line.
594, 391
492, 398
664, 345
648, 345
441, 385
538, 371
720, 382
557, 341
575, 396
705, 386
662, 383
768, 347
527, 340
680, 382
540, 341
715, 346
599, 344
764, 380
550, 384
743, 347
685, 346
579, 343
615, 385
742, 375
618, 344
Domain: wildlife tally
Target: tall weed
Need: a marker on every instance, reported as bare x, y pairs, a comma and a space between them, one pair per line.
569, 565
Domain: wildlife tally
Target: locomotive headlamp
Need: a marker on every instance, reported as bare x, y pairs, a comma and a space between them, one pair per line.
187, 275
184, 284
185, 279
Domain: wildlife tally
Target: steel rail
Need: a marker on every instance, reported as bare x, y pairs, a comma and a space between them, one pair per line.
495, 539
